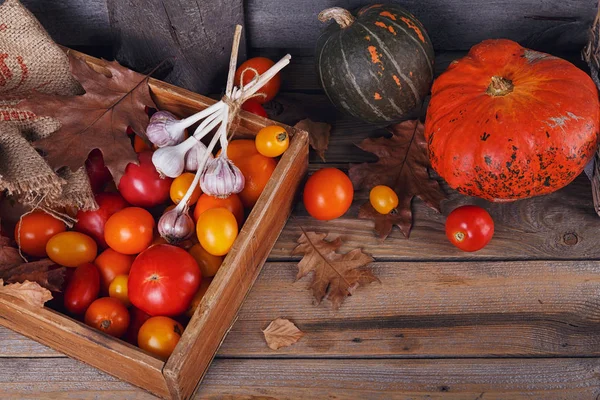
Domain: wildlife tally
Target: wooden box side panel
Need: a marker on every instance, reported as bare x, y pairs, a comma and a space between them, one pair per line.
218, 309
83, 343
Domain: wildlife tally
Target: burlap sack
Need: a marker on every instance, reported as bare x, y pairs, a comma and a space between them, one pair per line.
30, 60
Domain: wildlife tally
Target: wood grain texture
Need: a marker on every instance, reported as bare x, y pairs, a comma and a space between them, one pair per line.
452, 25
193, 37
551, 379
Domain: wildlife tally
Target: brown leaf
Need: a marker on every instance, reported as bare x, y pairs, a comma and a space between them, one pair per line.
403, 165
96, 120
30, 292
335, 275
36, 271
318, 135
281, 333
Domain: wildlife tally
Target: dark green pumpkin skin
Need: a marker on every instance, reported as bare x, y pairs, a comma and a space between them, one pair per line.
380, 68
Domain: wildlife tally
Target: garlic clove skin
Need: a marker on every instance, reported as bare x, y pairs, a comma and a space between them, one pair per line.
175, 227
164, 130
194, 156
221, 178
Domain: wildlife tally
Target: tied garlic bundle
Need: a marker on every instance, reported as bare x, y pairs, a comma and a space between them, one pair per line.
218, 176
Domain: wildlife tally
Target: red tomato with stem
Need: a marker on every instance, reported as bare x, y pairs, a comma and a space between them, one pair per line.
328, 194
34, 230
83, 289
163, 280
470, 228
258, 65
142, 186
108, 315
92, 222
254, 107
97, 172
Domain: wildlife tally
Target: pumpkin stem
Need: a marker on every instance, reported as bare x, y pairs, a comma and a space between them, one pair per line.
342, 16
500, 86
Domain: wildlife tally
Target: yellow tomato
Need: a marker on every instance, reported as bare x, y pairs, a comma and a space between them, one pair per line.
198, 296
217, 230
118, 289
71, 249
383, 199
209, 264
272, 141
159, 336
180, 186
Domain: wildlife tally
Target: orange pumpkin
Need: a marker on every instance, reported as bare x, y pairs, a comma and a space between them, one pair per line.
506, 122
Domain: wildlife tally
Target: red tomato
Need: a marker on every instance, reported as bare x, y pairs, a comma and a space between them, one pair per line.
92, 222
254, 107
130, 230
111, 263
83, 289
328, 194
137, 318
163, 280
470, 228
34, 231
97, 172
260, 65
108, 315
142, 186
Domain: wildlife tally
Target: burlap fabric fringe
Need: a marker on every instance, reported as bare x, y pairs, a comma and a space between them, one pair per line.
30, 60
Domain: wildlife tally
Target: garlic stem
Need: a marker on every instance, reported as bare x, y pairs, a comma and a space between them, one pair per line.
202, 130
233, 59
192, 119
256, 84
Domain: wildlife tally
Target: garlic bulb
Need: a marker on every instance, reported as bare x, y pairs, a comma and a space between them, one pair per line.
221, 178
194, 155
163, 129
175, 226
170, 160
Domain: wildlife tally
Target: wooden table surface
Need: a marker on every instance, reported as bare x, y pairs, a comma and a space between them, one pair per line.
518, 319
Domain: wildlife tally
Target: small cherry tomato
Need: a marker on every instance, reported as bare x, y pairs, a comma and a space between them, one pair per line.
130, 230
328, 194
272, 141
142, 186
383, 199
232, 203
254, 107
180, 186
209, 264
257, 66
71, 249
34, 230
217, 229
136, 319
198, 296
470, 228
118, 289
92, 222
257, 170
83, 288
110, 264
97, 172
159, 336
108, 315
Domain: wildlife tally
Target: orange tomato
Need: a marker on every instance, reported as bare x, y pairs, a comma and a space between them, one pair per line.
260, 65
209, 264
239, 149
257, 170
118, 289
180, 186
111, 263
204, 284
232, 203
272, 141
108, 315
140, 145
159, 336
217, 229
34, 230
71, 249
129, 231
328, 194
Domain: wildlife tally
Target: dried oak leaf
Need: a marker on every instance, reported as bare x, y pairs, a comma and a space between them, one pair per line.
335, 275
30, 292
403, 165
97, 119
318, 135
281, 333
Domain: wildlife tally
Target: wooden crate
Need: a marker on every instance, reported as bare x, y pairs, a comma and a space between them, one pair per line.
179, 376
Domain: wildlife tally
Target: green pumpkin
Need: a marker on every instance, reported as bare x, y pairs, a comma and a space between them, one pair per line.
377, 66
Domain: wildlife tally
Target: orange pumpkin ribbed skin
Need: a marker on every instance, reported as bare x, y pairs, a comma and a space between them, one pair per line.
526, 140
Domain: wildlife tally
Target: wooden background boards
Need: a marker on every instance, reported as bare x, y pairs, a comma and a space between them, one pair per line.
520, 318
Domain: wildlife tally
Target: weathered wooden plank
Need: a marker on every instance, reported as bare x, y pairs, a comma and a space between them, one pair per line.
452, 25
193, 38
571, 378
73, 22
13, 344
